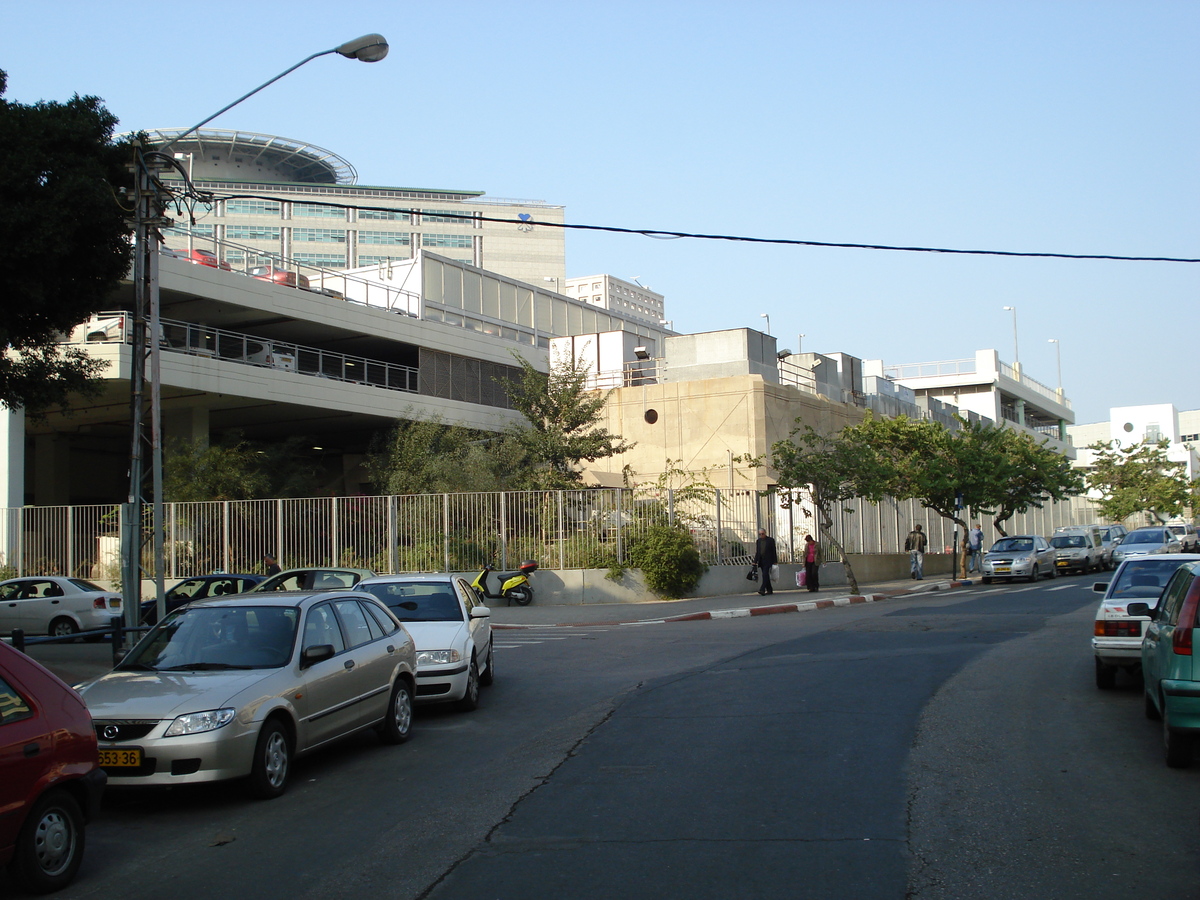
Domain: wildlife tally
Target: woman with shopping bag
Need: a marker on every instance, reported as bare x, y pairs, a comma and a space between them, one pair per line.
812, 564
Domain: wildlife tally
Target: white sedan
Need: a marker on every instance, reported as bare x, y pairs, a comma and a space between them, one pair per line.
55, 605
451, 628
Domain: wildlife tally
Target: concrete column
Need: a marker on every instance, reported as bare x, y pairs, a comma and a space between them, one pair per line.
190, 425
12, 484
51, 470
1020, 406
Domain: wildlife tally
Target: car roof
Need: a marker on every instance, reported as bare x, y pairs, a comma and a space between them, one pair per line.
274, 598
422, 576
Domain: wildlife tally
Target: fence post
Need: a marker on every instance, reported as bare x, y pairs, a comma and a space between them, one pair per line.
671, 506
334, 553
393, 538
562, 540
226, 537
70, 540
118, 639
278, 550
445, 532
718, 517
620, 526
503, 530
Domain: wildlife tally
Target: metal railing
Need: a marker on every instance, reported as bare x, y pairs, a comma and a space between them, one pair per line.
460, 532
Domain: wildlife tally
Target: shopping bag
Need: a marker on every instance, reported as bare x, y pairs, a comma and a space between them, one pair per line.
752, 575
802, 578
774, 574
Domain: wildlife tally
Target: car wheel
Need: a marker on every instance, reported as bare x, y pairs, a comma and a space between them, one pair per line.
1148, 708
489, 674
1033, 576
522, 596
470, 699
49, 848
63, 627
1106, 676
397, 727
1177, 748
1053, 573
272, 761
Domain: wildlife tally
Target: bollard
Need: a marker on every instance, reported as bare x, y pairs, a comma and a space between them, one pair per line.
18, 639
118, 639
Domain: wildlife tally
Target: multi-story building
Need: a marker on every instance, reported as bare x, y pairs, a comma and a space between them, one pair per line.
1131, 425
300, 202
627, 297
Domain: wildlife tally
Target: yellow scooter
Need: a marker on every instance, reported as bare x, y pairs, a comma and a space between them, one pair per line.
514, 588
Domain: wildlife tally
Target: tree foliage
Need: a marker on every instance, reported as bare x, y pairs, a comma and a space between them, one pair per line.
238, 469
423, 456
668, 559
562, 415
65, 241
1139, 478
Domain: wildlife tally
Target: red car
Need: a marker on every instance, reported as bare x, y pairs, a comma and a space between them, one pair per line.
201, 257
50, 775
279, 276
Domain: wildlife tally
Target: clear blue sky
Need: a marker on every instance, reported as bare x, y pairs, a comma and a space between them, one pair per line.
1051, 126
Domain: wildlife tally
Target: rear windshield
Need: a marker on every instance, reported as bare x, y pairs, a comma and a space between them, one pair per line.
418, 601
1143, 579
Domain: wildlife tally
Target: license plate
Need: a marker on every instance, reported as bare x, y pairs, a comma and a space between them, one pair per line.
1062, 562
1003, 569
121, 759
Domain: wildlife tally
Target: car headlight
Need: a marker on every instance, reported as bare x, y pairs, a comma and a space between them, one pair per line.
196, 723
437, 657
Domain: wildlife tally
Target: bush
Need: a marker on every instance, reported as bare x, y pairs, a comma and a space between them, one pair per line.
669, 560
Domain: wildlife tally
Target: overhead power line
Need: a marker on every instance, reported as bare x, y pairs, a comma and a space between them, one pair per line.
527, 220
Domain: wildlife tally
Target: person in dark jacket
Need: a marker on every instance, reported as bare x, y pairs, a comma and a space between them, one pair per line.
270, 566
765, 557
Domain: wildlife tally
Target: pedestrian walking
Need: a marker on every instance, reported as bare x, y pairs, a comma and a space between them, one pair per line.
270, 566
812, 564
975, 536
915, 544
765, 557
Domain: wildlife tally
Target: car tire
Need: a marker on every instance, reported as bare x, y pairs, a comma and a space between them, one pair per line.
489, 674
1053, 573
1033, 576
1106, 676
272, 761
397, 727
470, 699
49, 848
62, 627
1149, 710
1177, 748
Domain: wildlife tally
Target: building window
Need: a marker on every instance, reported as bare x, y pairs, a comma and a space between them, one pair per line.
252, 207
324, 260
386, 238
319, 235
446, 240
365, 259
312, 211
444, 215
251, 233
383, 215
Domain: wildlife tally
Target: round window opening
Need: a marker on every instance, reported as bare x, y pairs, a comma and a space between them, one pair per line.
1128, 426
651, 416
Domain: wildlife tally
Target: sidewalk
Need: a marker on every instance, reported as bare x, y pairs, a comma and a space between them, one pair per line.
74, 663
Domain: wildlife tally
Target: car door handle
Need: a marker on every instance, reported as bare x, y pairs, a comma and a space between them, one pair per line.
32, 750
348, 664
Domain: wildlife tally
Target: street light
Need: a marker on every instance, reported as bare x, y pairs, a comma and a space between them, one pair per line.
149, 218
1058, 357
553, 278
800, 344
1016, 355
768, 318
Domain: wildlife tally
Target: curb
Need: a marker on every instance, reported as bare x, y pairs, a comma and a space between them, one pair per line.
744, 612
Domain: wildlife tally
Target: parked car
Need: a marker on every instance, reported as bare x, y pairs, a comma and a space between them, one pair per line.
279, 276
1171, 683
1020, 556
1144, 541
198, 588
55, 605
1189, 540
50, 777
239, 687
1117, 635
277, 356
451, 628
104, 326
1080, 549
323, 579
200, 257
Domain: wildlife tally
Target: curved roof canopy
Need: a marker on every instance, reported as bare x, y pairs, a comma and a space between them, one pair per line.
219, 154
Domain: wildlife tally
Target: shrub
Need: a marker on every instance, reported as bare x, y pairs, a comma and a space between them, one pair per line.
669, 560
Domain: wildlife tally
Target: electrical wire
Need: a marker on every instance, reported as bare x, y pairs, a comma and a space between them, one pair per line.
676, 235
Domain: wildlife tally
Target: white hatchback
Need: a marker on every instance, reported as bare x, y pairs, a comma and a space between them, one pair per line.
56, 605
452, 631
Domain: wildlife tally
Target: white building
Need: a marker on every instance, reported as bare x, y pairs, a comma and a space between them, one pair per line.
625, 297
1128, 426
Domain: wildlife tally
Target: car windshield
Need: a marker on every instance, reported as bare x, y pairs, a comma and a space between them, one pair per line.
1067, 540
218, 637
1143, 579
1012, 545
418, 601
1177, 529
1144, 537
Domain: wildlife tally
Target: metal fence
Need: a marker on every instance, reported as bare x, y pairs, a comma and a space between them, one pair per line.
459, 532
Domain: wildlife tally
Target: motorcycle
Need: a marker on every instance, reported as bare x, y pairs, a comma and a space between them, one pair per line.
515, 587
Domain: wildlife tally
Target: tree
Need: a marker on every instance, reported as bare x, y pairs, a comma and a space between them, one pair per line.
65, 239
238, 469
562, 415
1032, 475
832, 470
1139, 478
423, 456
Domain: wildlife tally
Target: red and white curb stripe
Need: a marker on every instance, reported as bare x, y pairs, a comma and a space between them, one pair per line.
775, 609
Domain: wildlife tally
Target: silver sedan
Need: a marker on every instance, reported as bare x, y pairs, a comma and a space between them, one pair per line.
1019, 556
238, 687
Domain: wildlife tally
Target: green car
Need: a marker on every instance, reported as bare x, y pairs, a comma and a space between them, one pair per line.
1172, 682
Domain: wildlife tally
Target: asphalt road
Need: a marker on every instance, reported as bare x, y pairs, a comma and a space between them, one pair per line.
942, 745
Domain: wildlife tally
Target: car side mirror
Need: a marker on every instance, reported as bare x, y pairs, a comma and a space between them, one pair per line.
480, 612
1139, 609
1100, 587
314, 654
